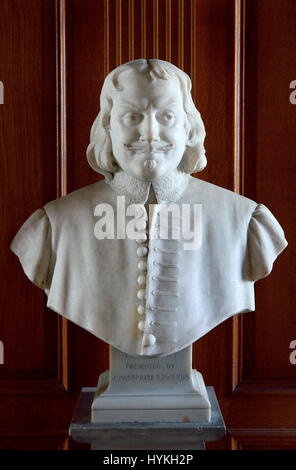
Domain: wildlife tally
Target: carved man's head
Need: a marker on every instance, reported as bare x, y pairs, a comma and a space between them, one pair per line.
148, 124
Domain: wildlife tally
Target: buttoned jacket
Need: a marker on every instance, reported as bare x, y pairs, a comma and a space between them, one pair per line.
150, 296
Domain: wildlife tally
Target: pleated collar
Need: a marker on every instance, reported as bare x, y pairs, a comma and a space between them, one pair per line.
167, 189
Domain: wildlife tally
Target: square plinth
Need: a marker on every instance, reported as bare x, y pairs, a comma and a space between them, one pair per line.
143, 435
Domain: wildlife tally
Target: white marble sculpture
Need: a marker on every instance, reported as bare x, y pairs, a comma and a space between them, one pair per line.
149, 296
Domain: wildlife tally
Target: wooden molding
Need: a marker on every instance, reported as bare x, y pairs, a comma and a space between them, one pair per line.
61, 119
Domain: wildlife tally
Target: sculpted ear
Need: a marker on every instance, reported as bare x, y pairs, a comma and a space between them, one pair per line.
99, 152
192, 137
194, 158
188, 162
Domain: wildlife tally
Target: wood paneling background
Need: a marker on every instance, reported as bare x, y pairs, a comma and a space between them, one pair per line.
54, 57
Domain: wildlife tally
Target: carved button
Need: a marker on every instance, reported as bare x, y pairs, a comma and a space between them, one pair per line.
141, 294
141, 325
142, 265
143, 238
149, 340
141, 309
142, 251
141, 279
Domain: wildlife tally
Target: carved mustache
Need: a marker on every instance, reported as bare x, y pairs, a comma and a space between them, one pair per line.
144, 147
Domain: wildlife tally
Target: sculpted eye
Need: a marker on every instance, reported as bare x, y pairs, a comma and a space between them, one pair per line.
131, 119
167, 118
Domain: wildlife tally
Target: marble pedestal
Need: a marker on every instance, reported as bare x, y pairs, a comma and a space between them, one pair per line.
144, 436
160, 389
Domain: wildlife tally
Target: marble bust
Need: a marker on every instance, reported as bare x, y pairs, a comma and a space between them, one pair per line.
147, 294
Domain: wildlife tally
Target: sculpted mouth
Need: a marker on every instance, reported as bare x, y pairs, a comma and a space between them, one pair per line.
162, 148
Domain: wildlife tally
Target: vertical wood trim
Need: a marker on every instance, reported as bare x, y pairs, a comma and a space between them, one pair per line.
155, 29
63, 98
57, 65
239, 51
66, 443
235, 352
181, 34
106, 38
193, 48
233, 444
118, 33
143, 28
131, 22
61, 117
168, 22
242, 94
237, 94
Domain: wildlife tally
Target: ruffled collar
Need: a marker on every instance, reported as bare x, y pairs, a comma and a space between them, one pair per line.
167, 189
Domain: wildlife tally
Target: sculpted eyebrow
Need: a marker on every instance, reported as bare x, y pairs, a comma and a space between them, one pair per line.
169, 103
128, 104
136, 106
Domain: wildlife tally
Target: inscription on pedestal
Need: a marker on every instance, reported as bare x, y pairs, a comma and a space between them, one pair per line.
150, 372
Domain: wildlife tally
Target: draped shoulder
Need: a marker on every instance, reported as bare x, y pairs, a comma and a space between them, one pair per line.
32, 245
266, 240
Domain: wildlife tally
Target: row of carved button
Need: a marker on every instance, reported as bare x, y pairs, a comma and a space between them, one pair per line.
142, 252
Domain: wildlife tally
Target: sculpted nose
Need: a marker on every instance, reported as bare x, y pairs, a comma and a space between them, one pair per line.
149, 131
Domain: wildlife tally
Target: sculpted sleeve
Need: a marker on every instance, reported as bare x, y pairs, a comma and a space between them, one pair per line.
266, 240
32, 245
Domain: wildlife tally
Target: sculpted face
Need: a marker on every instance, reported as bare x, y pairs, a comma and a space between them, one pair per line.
148, 126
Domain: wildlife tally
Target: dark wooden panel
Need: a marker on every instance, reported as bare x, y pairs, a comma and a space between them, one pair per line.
214, 86
137, 44
270, 178
150, 27
85, 76
43, 415
174, 32
162, 30
33, 399
32, 443
28, 177
261, 411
